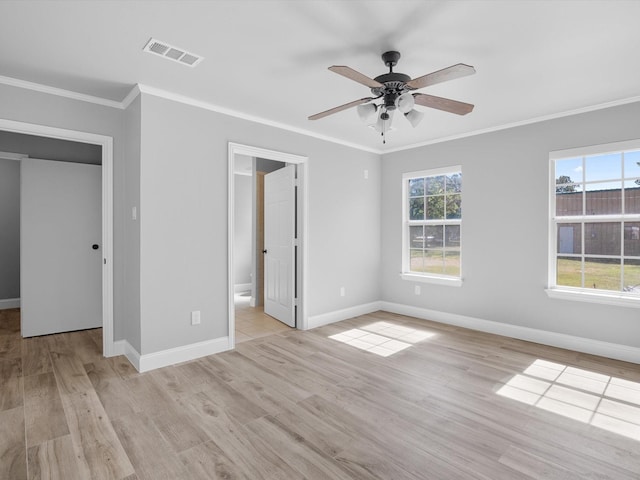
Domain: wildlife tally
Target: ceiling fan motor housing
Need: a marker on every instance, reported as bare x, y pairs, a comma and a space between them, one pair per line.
394, 84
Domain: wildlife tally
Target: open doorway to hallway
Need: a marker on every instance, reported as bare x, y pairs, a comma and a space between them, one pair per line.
250, 251
266, 270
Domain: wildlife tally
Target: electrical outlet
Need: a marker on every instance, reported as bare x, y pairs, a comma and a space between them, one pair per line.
366, 174
134, 213
342, 292
195, 317
416, 289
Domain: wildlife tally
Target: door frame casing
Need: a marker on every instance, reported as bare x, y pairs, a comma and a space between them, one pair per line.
106, 144
302, 218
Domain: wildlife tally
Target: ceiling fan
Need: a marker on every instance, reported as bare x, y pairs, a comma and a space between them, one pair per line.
395, 91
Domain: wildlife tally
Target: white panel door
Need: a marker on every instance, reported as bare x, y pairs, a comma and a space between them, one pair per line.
60, 246
279, 244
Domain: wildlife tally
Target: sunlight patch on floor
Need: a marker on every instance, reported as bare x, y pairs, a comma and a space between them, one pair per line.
600, 400
382, 338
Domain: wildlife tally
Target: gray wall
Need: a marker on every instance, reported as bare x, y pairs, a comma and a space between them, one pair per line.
243, 215
28, 106
10, 230
131, 227
184, 216
50, 148
505, 226
267, 166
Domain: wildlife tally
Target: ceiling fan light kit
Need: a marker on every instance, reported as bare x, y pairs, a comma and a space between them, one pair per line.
405, 102
366, 111
414, 117
394, 90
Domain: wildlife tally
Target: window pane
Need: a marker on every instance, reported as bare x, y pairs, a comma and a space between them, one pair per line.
632, 196
604, 198
602, 255
416, 237
435, 207
435, 185
416, 263
569, 272
603, 167
602, 238
434, 261
452, 236
416, 187
632, 276
570, 238
602, 273
454, 206
632, 239
433, 235
568, 203
452, 262
570, 168
632, 164
432, 201
454, 183
416, 208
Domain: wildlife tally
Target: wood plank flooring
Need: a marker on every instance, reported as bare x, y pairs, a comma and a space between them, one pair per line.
380, 396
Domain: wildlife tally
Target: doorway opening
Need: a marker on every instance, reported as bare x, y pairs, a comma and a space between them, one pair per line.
105, 144
270, 268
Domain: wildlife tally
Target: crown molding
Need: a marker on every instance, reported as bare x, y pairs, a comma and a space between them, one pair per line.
131, 96
12, 156
60, 92
506, 126
141, 88
157, 92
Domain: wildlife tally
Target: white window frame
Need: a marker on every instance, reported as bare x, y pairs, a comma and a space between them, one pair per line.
609, 297
406, 274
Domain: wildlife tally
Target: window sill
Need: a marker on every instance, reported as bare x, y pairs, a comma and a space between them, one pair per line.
583, 296
450, 281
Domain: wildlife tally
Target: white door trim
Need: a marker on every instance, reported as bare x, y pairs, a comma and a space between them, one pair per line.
303, 205
106, 143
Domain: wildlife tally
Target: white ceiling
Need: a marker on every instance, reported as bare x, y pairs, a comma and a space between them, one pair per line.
269, 59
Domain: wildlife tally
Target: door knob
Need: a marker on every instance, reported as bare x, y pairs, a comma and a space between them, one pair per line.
264, 251
95, 246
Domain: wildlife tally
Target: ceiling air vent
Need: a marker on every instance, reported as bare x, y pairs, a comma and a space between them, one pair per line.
172, 53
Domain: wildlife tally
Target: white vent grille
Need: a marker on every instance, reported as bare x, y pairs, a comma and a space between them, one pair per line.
171, 52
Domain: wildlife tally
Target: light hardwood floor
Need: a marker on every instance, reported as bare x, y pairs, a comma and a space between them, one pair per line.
380, 396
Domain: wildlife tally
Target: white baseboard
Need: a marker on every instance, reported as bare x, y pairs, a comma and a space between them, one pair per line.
344, 314
122, 347
119, 347
9, 303
242, 287
579, 344
171, 356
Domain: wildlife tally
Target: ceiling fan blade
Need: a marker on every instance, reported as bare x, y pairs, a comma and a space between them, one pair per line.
446, 74
451, 106
340, 108
355, 76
